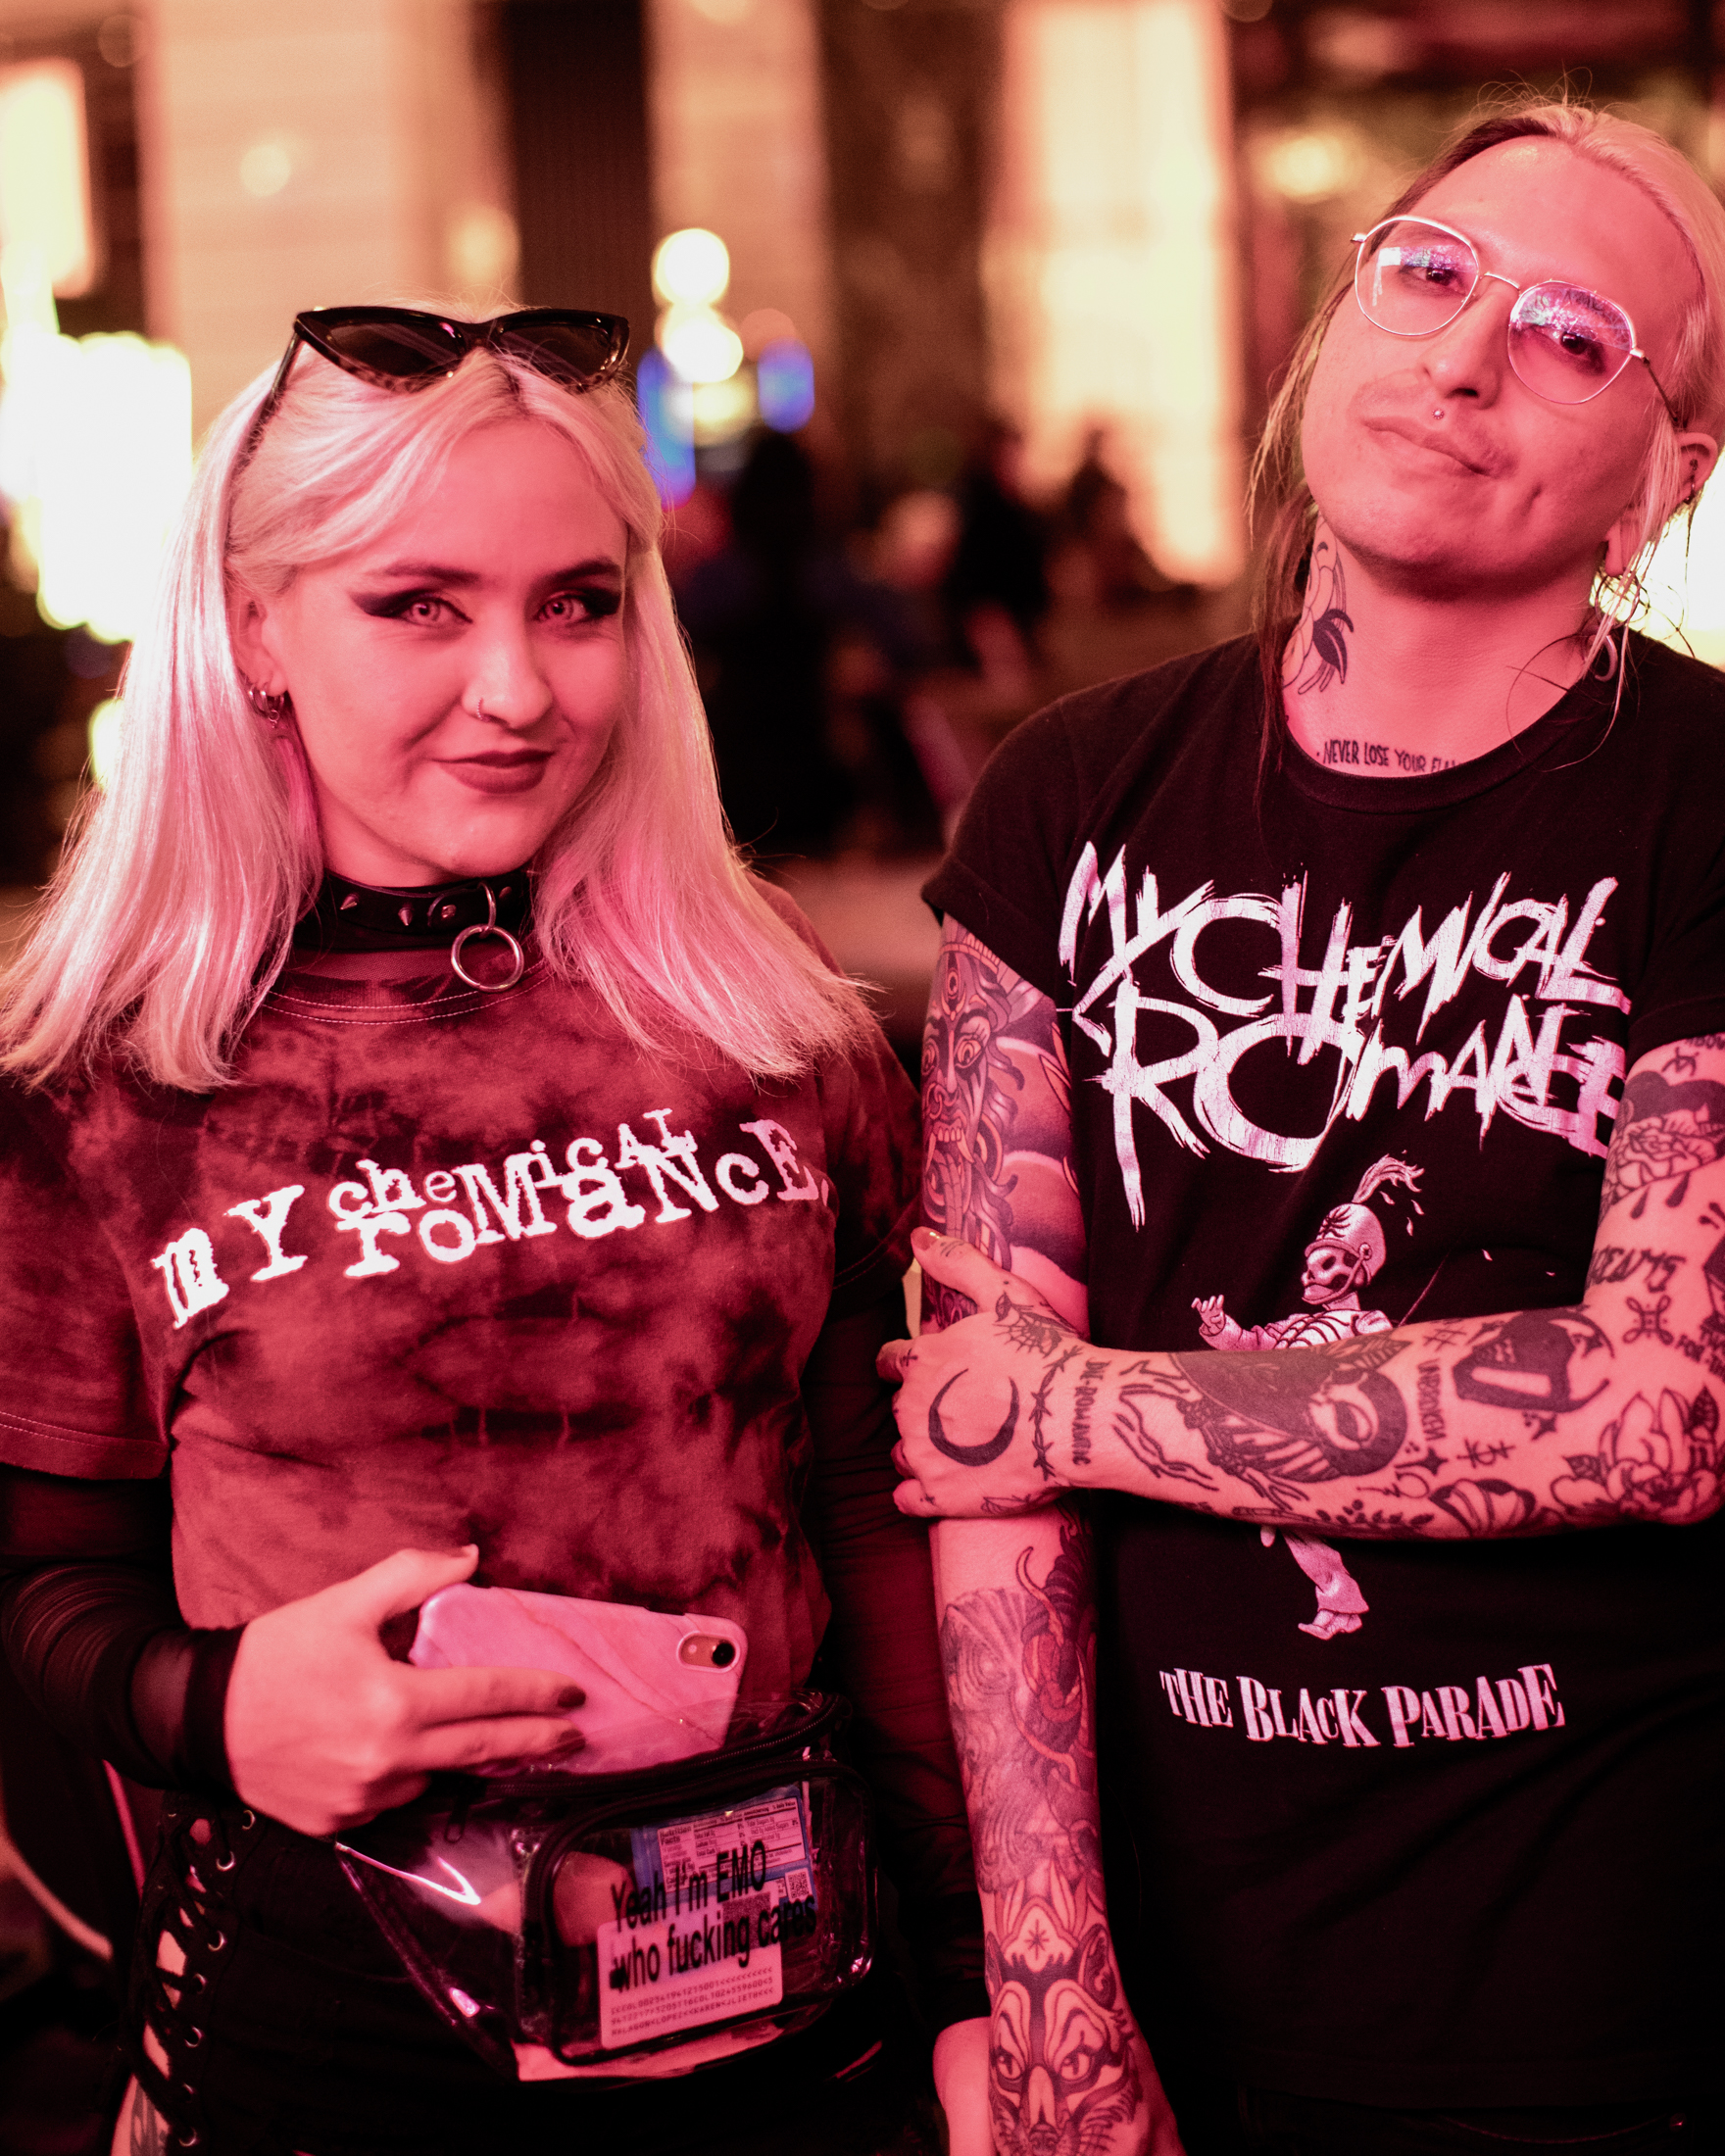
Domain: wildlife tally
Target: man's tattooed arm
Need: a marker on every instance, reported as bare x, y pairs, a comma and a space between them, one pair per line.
997, 1126
1526, 1422
1066, 2067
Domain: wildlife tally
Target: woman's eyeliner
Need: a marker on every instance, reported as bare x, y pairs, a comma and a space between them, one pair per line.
594, 603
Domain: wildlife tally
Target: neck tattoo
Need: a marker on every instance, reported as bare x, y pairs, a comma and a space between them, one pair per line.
1343, 752
1318, 652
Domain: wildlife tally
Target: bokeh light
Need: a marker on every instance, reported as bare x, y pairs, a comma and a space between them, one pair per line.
266, 168
104, 740
691, 269
700, 344
1685, 581
95, 458
667, 405
784, 385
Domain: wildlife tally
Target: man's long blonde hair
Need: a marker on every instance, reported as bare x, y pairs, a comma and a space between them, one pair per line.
1695, 381
175, 904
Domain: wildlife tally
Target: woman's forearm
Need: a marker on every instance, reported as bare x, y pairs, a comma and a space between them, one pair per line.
89, 1622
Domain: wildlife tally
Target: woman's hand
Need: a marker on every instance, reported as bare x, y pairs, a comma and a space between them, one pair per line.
981, 1404
960, 2081
325, 1731
962, 2062
1162, 2129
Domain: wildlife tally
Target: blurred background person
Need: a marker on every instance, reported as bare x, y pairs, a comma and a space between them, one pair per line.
798, 656
997, 586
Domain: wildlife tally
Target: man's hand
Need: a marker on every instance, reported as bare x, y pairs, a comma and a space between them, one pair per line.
981, 1405
325, 1731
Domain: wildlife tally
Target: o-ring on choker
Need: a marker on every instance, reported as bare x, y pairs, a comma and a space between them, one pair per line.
366, 916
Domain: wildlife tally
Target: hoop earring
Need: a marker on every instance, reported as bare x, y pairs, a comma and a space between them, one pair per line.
277, 712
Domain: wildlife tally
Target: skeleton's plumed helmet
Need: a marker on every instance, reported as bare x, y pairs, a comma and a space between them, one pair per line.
1355, 1228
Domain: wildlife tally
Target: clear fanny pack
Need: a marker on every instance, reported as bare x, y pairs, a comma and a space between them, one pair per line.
639, 1922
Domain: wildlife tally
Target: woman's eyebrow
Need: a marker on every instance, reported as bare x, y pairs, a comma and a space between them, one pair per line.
439, 572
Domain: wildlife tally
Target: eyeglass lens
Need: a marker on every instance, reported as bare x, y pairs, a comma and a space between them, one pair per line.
1566, 342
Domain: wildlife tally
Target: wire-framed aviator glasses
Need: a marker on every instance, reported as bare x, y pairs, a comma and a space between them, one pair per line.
1413, 276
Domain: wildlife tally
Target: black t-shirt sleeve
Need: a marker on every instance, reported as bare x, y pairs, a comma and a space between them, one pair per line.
1004, 877
73, 1398
1679, 991
1682, 994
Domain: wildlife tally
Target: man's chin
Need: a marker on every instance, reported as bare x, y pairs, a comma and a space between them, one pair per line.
1428, 558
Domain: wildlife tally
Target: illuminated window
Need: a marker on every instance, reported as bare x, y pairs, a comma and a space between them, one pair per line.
1109, 263
44, 175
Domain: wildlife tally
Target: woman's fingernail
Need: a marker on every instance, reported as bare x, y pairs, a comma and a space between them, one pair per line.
572, 1695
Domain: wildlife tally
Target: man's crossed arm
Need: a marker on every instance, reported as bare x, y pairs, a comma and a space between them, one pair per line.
1523, 1421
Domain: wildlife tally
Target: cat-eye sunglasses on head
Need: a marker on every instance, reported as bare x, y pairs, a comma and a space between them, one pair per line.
402, 348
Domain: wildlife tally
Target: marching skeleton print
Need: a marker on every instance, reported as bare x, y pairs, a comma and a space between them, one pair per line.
1347, 1250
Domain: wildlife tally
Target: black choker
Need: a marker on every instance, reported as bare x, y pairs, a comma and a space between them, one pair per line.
487, 911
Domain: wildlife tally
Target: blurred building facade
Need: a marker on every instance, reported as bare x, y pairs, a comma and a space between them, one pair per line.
1095, 225
964, 205
1066, 213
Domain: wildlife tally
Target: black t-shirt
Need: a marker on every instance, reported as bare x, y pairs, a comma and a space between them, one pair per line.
1418, 1823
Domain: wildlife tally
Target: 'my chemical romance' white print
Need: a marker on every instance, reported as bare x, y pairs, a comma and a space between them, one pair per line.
460, 1208
1535, 948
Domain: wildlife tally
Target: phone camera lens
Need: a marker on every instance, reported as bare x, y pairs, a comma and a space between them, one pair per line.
724, 1654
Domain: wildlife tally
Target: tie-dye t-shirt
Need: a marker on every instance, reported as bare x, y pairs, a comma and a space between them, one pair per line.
445, 1266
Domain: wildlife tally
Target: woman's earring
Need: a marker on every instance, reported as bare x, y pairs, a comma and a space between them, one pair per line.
277, 712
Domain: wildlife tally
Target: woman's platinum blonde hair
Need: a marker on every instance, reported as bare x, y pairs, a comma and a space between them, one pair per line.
1694, 380
174, 907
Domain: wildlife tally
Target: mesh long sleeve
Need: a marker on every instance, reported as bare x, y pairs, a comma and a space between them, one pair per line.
89, 1622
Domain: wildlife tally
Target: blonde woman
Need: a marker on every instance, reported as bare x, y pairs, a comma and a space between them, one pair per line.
430, 1157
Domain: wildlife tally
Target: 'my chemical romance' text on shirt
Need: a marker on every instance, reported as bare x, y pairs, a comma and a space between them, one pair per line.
466, 1268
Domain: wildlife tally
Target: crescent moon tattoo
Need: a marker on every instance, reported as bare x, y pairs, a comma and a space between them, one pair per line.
970, 1455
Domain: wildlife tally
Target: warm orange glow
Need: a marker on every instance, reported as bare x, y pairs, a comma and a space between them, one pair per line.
1110, 262
1685, 582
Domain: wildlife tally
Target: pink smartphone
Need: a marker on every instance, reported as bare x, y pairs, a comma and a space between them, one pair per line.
659, 1687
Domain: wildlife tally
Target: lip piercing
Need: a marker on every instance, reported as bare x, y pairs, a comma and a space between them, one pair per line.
1437, 413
